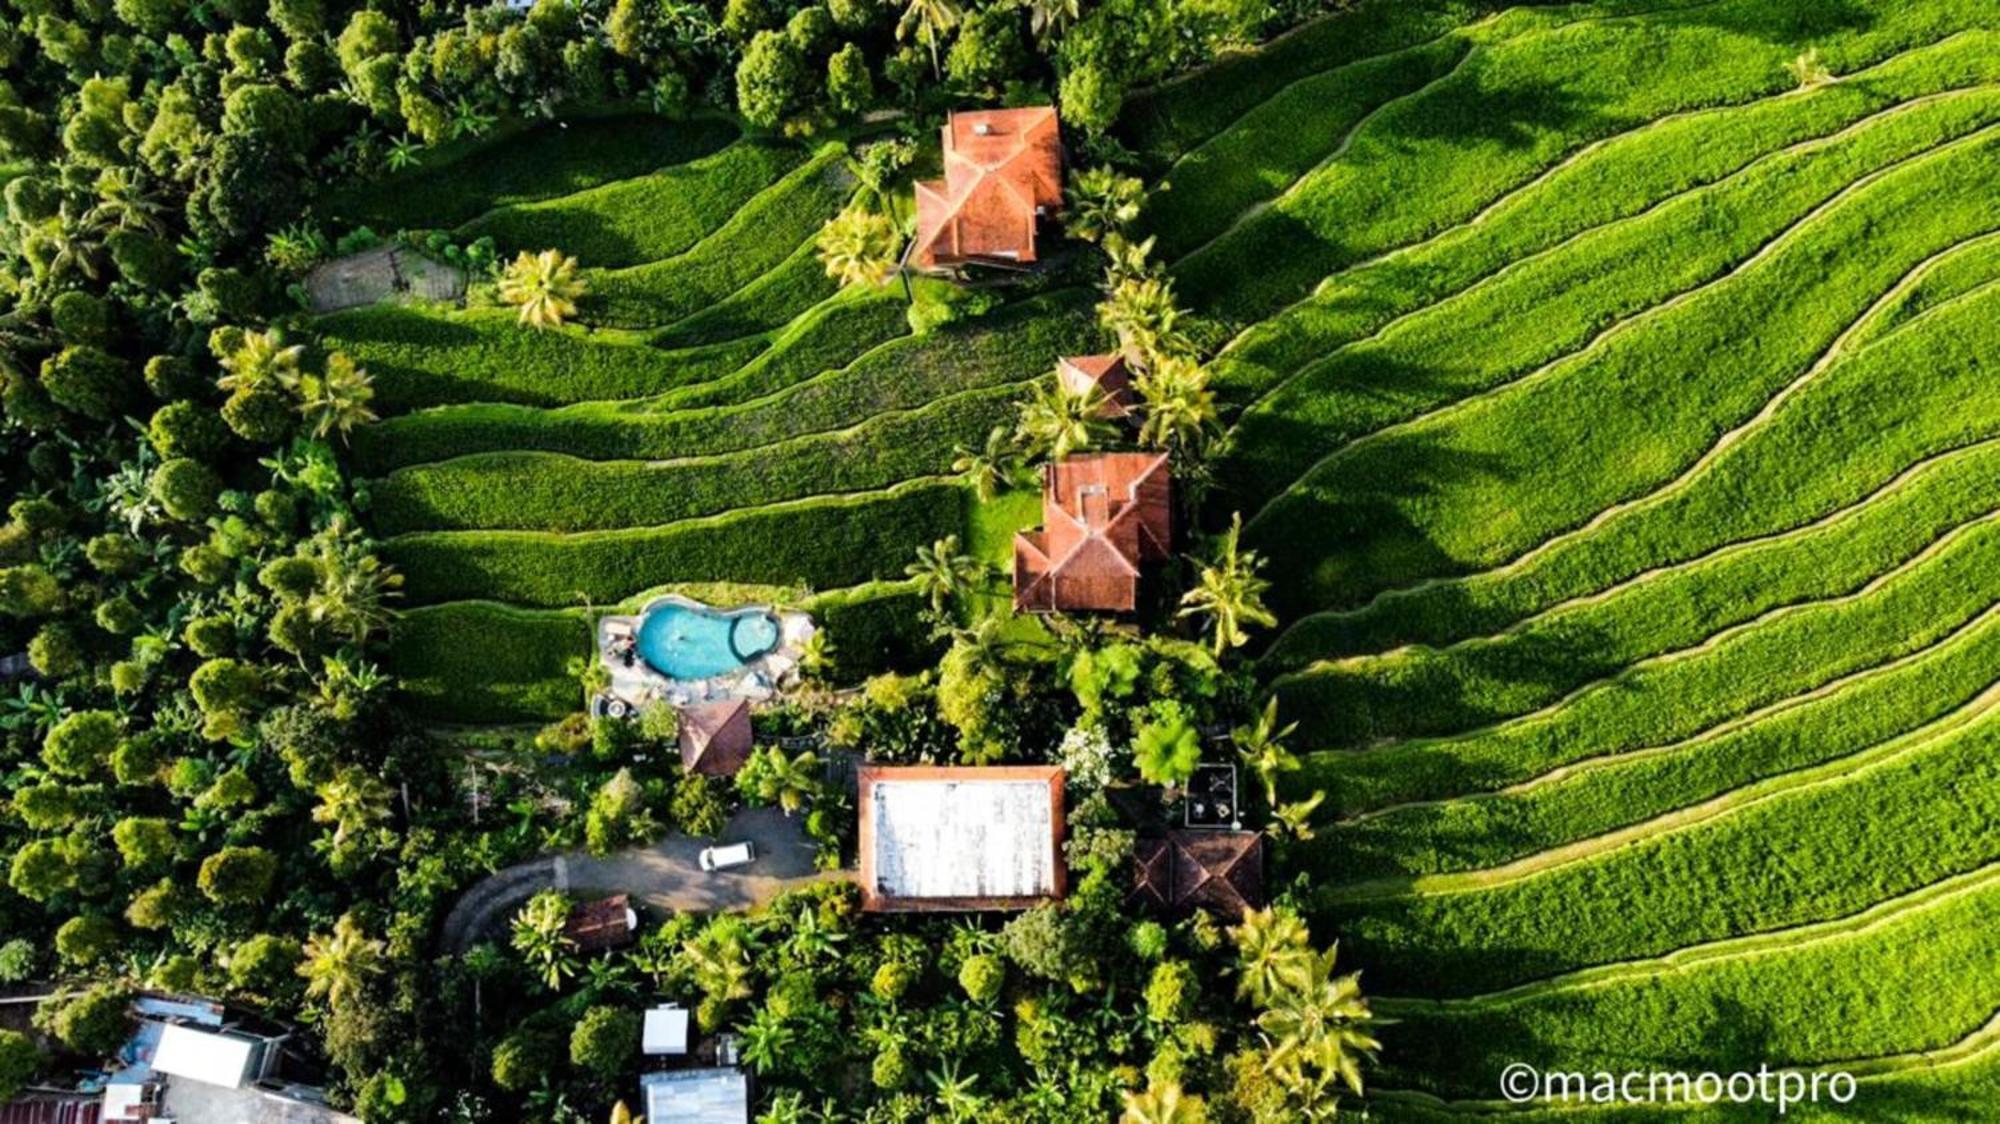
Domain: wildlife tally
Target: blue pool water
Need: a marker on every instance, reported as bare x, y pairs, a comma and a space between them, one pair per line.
686, 642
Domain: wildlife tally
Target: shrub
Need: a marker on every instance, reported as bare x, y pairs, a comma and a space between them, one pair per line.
238, 875
20, 1058
982, 976
605, 1042
186, 489
81, 743
86, 939
144, 842
95, 1022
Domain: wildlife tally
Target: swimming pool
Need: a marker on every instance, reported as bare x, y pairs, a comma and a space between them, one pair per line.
687, 641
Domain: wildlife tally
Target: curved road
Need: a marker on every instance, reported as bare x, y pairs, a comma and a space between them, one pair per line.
665, 875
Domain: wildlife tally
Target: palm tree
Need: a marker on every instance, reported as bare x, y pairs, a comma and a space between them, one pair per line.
1129, 259
1167, 751
1809, 70
1046, 18
794, 780
954, 1093
767, 1040
259, 360
1230, 591
125, 201
1177, 405
1319, 1022
1148, 322
1101, 202
544, 286
339, 964
941, 572
1260, 746
540, 938
719, 964
355, 588
1163, 1104
931, 20
1059, 421
991, 468
1295, 819
353, 801
1270, 947
336, 400
858, 247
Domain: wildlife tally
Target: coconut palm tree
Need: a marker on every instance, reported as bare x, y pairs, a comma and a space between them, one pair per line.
540, 938
339, 964
1270, 951
1148, 322
1047, 18
858, 247
954, 1093
1229, 592
353, 801
261, 359
1318, 1023
1059, 421
544, 287
355, 588
1163, 1104
1261, 747
1295, 819
719, 964
1176, 405
941, 572
336, 400
993, 467
768, 1040
930, 21
1101, 202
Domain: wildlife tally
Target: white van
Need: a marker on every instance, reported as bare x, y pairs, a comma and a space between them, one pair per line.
728, 855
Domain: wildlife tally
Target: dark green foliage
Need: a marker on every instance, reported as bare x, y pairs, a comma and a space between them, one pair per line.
88, 381
186, 489
20, 1058
238, 875
184, 429
87, 939
605, 1042
93, 1023
81, 744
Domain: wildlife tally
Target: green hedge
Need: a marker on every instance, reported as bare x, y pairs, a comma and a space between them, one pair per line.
1663, 701
1282, 139
556, 158
1908, 401
1007, 346
1430, 691
761, 236
1548, 310
629, 222
876, 627
1816, 997
553, 492
1520, 105
1622, 178
818, 542
425, 355
1607, 793
1477, 486
1914, 813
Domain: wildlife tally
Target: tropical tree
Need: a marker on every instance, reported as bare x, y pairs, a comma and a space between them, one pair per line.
353, 801
993, 467
942, 572
1809, 70
623, 1115
540, 938
1229, 591
260, 360
1261, 746
336, 400
930, 21
1163, 1104
1295, 819
1100, 201
1270, 951
338, 965
1167, 750
1148, 322
792, 781
544, 287
858, 247
1059, 421
1318, 1024
1177, 408
354, 589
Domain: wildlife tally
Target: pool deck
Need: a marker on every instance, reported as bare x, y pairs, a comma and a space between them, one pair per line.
636, 685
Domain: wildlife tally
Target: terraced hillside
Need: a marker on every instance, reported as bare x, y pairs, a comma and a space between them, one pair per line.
1618, 415
721, 414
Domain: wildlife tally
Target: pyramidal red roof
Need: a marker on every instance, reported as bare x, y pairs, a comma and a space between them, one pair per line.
1103, 517
1110, 375
716, 737
1002, 171
1220, 871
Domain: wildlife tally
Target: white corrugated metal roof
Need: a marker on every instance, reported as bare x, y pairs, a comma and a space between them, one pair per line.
697, 1096
218, 1059
963, 839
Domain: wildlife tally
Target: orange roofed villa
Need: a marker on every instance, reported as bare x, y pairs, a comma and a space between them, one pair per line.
958, 838
1104, 517
1002, 175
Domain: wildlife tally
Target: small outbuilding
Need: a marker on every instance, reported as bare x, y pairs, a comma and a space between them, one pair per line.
951, 838
665, 1032
697, 1096
212, 1057
605, 923
716, 737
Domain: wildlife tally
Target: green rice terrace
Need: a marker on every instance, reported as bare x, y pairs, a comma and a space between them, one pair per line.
1616, 408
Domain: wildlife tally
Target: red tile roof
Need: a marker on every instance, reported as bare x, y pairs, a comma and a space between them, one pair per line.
1220, 871
1002, 171
1109, 374
52, 1108
1103, 517
716, 737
